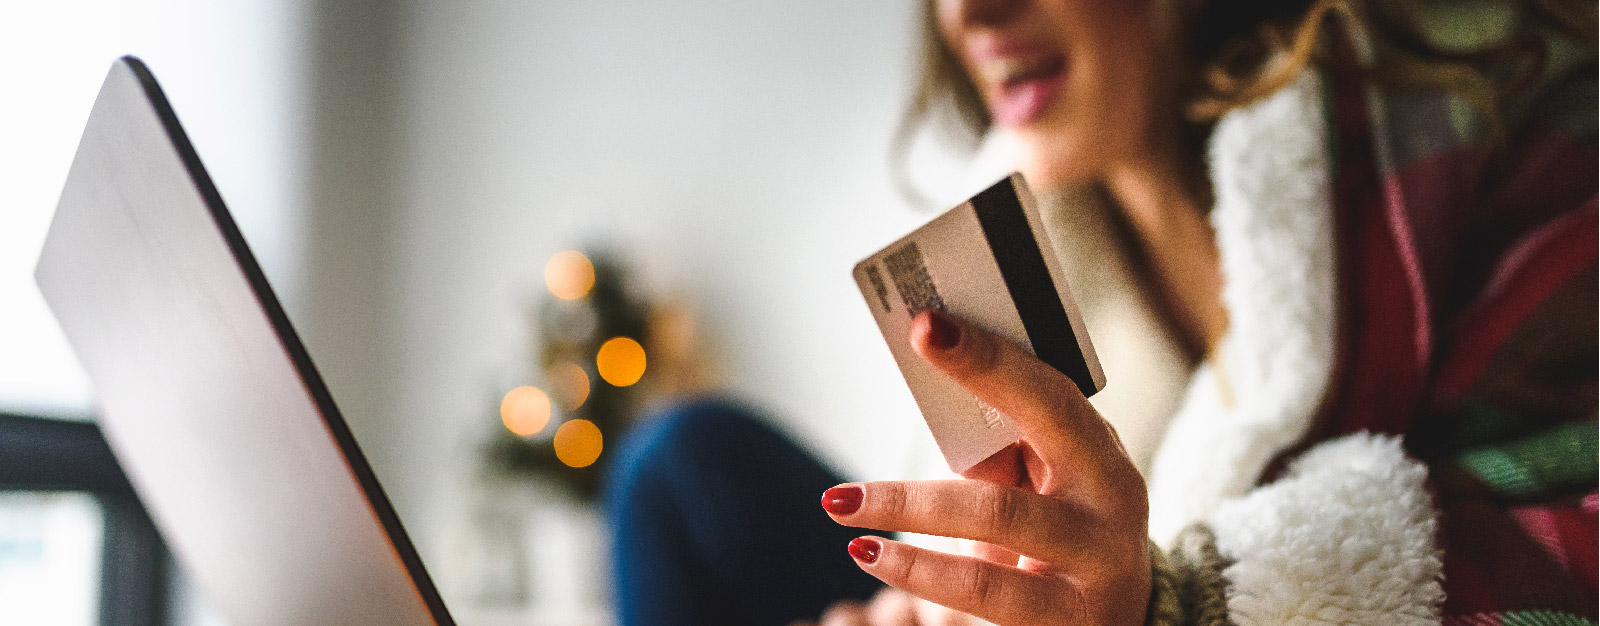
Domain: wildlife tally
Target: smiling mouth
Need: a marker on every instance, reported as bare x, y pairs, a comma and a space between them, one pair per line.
1011, 71
1023, 87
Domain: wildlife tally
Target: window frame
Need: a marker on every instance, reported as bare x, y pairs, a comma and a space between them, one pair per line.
50, 454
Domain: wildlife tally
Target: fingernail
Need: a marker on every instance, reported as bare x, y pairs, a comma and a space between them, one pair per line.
943, 332
842, 500
865, 549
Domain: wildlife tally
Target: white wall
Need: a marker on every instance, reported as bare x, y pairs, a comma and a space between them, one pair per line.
231, 70
403, 170
735, 151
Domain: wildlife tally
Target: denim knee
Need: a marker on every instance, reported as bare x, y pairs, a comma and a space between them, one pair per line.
684, 443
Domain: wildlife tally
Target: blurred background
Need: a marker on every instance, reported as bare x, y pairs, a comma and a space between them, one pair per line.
407, 172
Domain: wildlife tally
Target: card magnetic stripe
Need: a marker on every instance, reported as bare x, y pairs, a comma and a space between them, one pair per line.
1022, 265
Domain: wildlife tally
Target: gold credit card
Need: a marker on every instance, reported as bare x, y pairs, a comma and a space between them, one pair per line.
989, 262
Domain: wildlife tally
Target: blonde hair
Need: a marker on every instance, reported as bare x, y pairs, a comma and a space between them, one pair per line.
1242, 51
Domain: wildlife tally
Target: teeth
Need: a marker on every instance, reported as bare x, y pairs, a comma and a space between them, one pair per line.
1003, 70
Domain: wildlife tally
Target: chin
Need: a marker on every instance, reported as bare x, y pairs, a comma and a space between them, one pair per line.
1055, 165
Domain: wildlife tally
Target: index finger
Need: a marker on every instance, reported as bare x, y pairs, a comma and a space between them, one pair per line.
998, 593
1024, 522
1046, 404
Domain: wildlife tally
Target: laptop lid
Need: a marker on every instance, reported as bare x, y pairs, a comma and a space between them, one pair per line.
207, 396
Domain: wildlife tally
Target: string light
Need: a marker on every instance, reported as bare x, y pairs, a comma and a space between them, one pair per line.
525, 410
569, 383
578, 443
620, 361
569, 275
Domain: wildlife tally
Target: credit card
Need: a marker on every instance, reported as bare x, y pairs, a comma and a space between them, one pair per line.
987, 261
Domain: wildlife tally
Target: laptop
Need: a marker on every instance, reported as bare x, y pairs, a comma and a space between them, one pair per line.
205, 393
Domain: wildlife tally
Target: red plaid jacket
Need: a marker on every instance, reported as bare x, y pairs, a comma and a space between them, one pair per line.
1469, 266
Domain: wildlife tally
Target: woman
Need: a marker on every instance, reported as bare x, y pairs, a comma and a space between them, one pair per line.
1377, 259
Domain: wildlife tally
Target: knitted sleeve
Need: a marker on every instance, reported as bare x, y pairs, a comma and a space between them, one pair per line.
1346, 536
1187, 587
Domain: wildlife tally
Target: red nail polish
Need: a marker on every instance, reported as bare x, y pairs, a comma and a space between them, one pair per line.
842, 500
865, 549
943, 332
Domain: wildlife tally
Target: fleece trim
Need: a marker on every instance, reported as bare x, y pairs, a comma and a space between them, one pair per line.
1272, 177
1346, 537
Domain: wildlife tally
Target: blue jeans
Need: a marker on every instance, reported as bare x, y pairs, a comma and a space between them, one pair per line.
715, 519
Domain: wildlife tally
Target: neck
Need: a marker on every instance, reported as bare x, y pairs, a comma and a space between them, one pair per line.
1166, 202
1159, 197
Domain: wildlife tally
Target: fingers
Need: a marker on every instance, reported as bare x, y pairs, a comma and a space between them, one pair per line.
1046, 405
846, 613
993, 553
1000, 594
1019, 520
892, 607
930, 614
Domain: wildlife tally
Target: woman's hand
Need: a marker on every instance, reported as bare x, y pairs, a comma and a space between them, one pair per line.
1061, 516
890, 607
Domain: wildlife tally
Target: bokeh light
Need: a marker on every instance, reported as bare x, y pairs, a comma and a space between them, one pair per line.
578, 443
569, 275
620, 361
525, 410
569, 383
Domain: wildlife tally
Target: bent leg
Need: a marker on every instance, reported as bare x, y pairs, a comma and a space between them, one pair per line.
715, 520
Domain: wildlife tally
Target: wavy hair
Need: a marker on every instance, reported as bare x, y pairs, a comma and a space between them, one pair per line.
1241, 51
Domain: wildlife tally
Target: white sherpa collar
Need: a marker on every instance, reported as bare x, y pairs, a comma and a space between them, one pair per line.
1272, 176
1345, 537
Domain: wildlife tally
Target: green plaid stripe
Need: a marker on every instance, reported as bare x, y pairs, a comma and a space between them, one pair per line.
1542, 618
1558, 458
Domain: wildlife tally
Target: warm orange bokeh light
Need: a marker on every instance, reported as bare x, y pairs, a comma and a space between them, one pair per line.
525, 410
569, 383
578, 443
569, 275
620, 361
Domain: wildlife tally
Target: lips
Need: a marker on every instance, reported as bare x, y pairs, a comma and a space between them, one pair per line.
1025, 89
1021, 81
